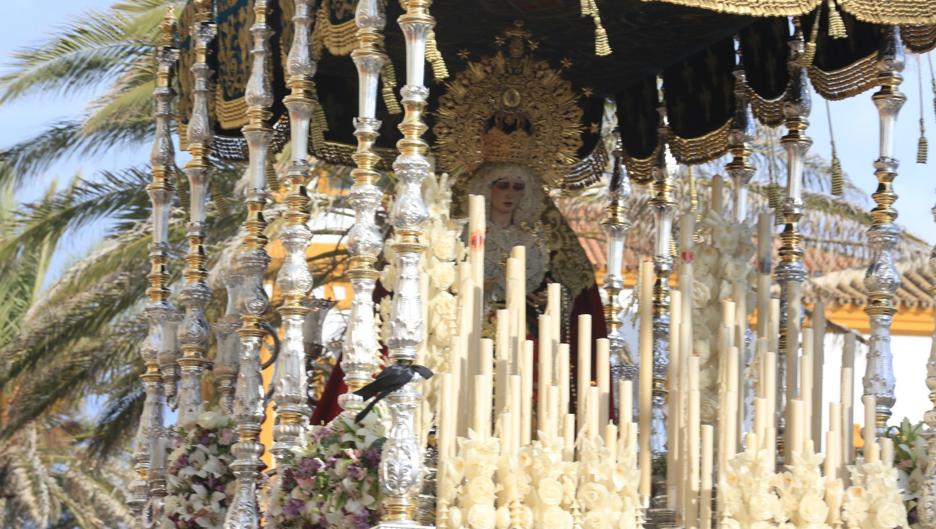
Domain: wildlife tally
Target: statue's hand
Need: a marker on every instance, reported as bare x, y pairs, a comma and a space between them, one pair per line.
537, 299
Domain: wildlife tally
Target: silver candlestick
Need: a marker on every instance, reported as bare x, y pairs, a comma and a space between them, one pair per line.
881, 278
401, 461
359, 360
252, 261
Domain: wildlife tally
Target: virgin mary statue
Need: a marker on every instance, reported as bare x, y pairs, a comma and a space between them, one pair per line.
508, 127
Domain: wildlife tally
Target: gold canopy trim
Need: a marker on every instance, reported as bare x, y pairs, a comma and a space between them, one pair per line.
890, 12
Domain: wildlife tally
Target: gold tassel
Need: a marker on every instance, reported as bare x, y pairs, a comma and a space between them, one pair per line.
775, 201
586, 6
838, 176
388, 76
602, 44
836, 24
922, 147
809, 54
439, 70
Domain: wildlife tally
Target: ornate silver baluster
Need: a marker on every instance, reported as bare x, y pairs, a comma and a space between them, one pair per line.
228, 343
364, 240
616, 226
791, 272
881, 278
294, 279
159, 310
401, 461
664, 207
927, 506
252, 261
194, 330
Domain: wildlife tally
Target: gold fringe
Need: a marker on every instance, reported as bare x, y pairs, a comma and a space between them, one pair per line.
836, 24
891, 12
640, 170
705, 148
846, 82
838, 176
389, 82
338, 39
434, 56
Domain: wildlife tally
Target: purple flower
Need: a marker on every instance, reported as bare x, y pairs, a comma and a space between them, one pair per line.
309, 467
355, 472
293, 508
372, 457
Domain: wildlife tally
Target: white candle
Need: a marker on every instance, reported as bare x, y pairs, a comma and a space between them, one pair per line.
515, 400
818, 358
544, 359
515, 304
717, 199
568, 437
795, 426
584, 368
603, 359
869, 432
806, 382
563, 367
887, 451
593, 425
476, 233
646, 374
526, 388
554, 310
771, 388
610, 441
519, 253
694, 423
461, 375
486, 363
847, 397
626, 412
503, 369
760, 417
835, 434
764, 252
831, 462
478, 415
705, 500
552, 424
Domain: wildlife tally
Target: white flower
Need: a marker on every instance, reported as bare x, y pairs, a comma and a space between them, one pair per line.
599, 519
482, 516
503, 517
481, 490
454, 517
549, 491
442, 274
593, 496
209, 420
762, 506
812, 508
554, 517
890, 514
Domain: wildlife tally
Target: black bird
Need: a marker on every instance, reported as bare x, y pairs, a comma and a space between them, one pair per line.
392, 378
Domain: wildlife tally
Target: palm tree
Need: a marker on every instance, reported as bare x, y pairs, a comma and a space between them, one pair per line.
46, 481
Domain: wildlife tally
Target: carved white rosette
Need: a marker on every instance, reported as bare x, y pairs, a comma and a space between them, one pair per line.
664, 207
616, 226
149, 466
359, 360
252, 261
294, 279
881, 278
790, 271
194, 331
926, 508
401, 461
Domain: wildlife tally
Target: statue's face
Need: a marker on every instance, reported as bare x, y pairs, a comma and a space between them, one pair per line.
506, 193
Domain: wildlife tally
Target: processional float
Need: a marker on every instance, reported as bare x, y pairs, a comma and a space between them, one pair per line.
672, 466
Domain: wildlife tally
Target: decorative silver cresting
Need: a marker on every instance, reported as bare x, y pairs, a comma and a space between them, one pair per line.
252, 261
194, 331
790, 271
359, 359
401, 462
616, 226
294, 279
148, 489
664, 208
927, 506
881, 278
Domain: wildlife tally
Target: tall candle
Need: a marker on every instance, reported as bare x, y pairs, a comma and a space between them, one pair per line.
771, 388
486, 363
764, 252
705, 500
733, 385
887, 451
694, 424
626, 412
476, 233
870, 434
796, 424
526, 388
718, 198
645, 300
847, 398
603, 359
831, 462
503, 368
519, 253
515, 303
675, 402
515, 399
461, 375
593, 425
568, 437
584, 367
760, 417
610, 441
554, 310
544, 361
806, 382
562, 368
552, 411
478, 415
818, 358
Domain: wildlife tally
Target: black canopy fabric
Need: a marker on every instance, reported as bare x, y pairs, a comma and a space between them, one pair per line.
693, 50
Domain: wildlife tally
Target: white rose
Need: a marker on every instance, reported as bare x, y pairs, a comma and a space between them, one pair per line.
550, 491
444, 243
554, 517
454, 517
209, 420
812, 509
442, 275
890, 514
481, 490
503, 518
761, 506
482, 516
593, 496
599, 519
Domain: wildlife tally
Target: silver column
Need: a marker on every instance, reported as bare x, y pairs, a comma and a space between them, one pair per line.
881, 278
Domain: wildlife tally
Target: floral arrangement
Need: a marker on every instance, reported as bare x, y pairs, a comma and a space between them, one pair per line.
334, 482
199, 479
910, 459
608, 493
801, 490
872, 501
551, 492
749, 494
472, 473
723, 258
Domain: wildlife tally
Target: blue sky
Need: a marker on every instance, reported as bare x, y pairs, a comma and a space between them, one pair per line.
855, 125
